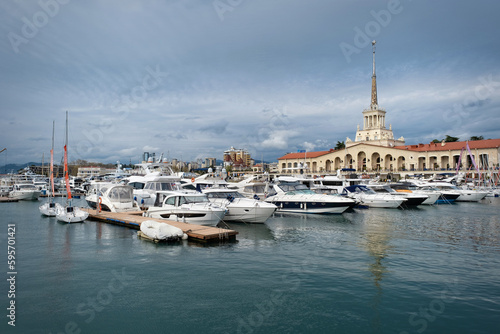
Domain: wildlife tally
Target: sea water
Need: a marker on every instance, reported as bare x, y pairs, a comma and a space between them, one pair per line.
433, 269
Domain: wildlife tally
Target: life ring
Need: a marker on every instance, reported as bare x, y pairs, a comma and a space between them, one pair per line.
192, 180
99, 203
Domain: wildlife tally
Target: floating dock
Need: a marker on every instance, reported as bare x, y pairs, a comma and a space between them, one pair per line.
8, 199
134, 220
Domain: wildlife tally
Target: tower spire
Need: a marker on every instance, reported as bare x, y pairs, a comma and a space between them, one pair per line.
374, 104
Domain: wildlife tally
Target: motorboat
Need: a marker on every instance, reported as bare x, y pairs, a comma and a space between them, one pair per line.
145, 187
369, 198
295, 197
5, 191
206, 181
412, 199
113, 198
331, 184
240, 208
194, 208
253, 187
448, 196
465, 195
434, 196
25, 191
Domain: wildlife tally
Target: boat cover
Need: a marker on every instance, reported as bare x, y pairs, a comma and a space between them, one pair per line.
160, 231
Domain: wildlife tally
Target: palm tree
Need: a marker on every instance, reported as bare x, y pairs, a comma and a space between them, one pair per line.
340, 145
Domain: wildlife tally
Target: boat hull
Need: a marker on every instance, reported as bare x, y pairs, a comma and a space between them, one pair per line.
25, 195
71, 215
197, 217
258, 213
293, 206
471, 196
387, 202
50, 210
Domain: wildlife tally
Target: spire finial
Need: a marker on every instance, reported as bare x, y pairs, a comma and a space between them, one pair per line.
374, 104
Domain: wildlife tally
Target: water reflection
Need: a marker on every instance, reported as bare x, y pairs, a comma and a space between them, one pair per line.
375, 240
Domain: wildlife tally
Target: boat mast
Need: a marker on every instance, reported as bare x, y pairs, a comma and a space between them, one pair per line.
66, 173
51, 180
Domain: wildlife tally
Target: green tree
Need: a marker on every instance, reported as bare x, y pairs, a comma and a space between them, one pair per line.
340, 145
450, 139
476, 138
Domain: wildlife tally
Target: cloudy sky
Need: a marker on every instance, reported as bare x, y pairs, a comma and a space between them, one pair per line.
191, 78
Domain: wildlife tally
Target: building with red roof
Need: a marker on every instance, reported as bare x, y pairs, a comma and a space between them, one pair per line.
375, 150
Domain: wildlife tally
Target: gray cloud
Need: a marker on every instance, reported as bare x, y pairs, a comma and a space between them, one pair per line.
271, 76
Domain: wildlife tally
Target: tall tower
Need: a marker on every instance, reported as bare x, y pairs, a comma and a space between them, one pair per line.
374, 104
374, 130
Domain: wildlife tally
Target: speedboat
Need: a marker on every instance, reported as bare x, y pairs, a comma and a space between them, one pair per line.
295, 197
447, 196
114, 198
465, 195
240, 208
369, 198
24, 191
434, 195
194, 208
412, 199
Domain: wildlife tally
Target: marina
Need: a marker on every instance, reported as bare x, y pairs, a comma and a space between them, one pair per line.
366, 270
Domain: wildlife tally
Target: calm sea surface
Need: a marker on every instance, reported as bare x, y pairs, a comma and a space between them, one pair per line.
435, 269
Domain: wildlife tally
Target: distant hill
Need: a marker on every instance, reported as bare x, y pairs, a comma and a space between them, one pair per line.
14, 168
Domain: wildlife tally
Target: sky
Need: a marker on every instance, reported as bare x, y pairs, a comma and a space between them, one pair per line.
192, 78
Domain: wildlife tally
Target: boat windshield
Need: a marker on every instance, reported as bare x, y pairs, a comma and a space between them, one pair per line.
365, 190
225, 194
27, 186
383, 189
287, 187
159, 186
192, 199
261, 188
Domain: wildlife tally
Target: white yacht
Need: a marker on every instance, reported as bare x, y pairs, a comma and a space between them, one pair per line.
447, 196
25, 191
240, 208
294, 197
412, 199
465, 195
253, 187
145, 187
206, 181
369, 198
194, 208
433, 194
113, 198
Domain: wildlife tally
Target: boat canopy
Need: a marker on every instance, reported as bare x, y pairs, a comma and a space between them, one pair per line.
122, 194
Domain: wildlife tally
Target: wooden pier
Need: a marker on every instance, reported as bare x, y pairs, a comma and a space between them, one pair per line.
134, 220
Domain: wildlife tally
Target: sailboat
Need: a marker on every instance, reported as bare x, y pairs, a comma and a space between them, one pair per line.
49, 209
69, 213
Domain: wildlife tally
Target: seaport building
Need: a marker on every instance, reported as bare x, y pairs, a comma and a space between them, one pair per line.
375, 150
